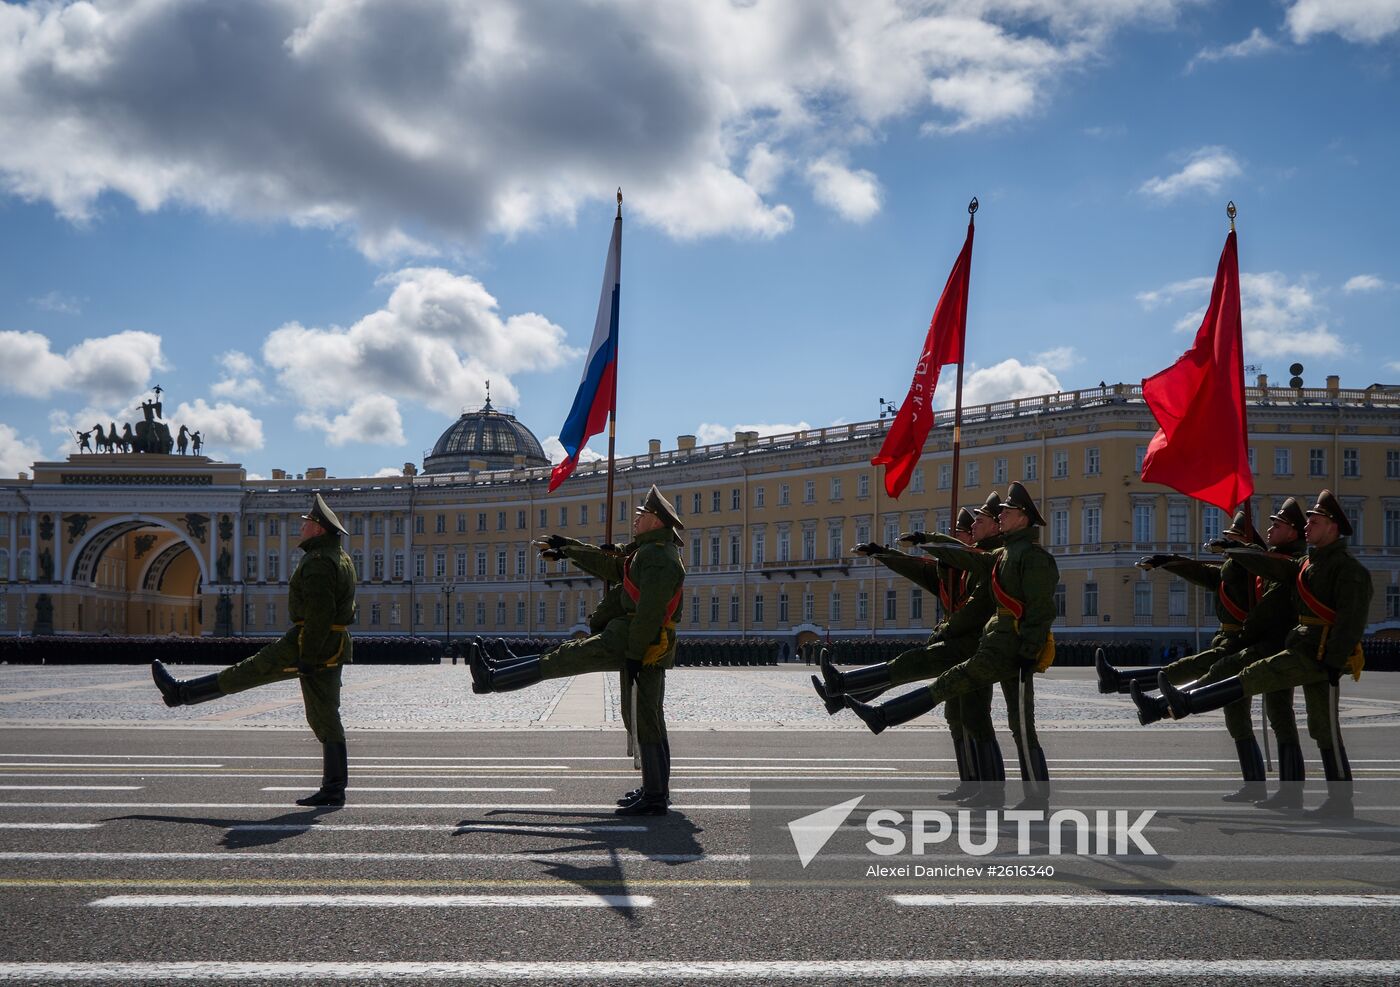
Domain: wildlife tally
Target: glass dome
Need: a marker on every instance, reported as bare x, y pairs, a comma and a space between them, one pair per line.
487, 435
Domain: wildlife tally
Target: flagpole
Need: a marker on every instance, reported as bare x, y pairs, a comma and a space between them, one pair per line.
1244, 408
957, 401
612, 398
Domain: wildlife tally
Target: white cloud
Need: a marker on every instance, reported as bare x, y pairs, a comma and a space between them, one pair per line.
1258, 43
1364, 21
855, 195
436, 341
708, 433
1393, 366
1004, 381
554, 449
221, 426
56, 301
17, 454
387, 471
372, 418
239, 378
105, 368
418, 127
1365, 282
1059, 358
1206, 170
1281, 317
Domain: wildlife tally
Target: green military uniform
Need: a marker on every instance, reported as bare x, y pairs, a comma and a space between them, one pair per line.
321, 606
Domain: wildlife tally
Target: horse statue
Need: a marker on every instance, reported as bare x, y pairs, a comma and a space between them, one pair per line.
127, 440
152, 436
184, 440
100, 441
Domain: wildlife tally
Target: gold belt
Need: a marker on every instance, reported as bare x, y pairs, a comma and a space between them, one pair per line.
1232, 628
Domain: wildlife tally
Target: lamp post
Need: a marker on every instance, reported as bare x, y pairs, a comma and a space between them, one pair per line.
447, 590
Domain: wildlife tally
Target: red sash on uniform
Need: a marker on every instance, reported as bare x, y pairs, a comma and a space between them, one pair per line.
1310, 601
630, 588
1325, 616
1005, 599
952, 601
1233, 608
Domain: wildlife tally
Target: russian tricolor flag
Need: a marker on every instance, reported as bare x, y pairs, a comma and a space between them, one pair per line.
597, 392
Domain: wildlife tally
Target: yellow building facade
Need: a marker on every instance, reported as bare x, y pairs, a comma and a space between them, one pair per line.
134, 544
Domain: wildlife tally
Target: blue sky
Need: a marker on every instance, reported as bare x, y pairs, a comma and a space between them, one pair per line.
320, 226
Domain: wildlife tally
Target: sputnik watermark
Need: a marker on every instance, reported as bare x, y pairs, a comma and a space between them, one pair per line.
1107, 833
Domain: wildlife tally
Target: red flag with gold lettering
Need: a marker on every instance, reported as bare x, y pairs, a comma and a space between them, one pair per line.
947, 333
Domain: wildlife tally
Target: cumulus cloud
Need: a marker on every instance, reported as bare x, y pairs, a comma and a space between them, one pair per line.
436, 341
1258, 43
855, 195
554, 449
387, 471
1363, 21
708, 433
1281, 317
1059, 358
1004, 381
419, 125
372, 418
16, 453
58, 302
221, 426
1206, 170
106, 367
1365, 282
239, 378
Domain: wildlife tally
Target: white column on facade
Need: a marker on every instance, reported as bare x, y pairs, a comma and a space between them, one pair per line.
388, 549
58, 548
262, 548
282, 564
213, 532
368, 570
33, 545
236, 570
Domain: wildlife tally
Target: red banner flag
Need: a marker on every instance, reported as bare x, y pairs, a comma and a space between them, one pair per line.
1201, 448
944, 344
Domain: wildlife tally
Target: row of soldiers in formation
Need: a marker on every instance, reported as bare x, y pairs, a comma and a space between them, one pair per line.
1292, 608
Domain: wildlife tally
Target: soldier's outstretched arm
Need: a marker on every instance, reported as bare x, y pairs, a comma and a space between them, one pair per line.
1270, 565
959, 556
592, 559
1203, 574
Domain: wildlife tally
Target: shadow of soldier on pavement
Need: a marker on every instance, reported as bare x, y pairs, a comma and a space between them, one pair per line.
244, 834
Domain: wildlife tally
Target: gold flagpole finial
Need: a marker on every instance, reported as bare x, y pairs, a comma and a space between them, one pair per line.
619, 202
1230, 211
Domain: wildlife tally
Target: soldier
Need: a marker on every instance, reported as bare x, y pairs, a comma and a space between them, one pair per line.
1250, 620
1015, 642
640, 640
1331, 597
321, 604
975, 748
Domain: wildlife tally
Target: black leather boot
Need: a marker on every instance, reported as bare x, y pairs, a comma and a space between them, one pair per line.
901, 709
1252, 770
990, 789
1113, 680
505, 678
834, 704
871, 678
1183, 702
188, 692
335, 773
1150, 708
1338, 804
967, 772
1036, 783
1289, 797
654, 798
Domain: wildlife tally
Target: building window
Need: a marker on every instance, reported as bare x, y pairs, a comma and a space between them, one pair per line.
1142, 523
974, 474
1283, 461
1392, 528
461, 524
480, 613
398, 565
733, 549
441, 527
733, 609
561, 612
1091, 599
714, 550
376, 614
809, 607
758, 608
916, 604
1000, 470
782, 608
1351, 462
695, 503
862, 606
1060, 600
945, 476
863, 485
1030, 468
419, 565
1317, 462
539, 612
1093, 525
564, 516
714, 501
735, 499
520, 562
1253, 466
1176, 523
1176, 599
520, 613
395, 615
891, 604
835, 488
500, 562
1061, 464
833, 542
500, 613
891, 532
273, 565
916, 482
758, 540
1210, 523
834, 616
379, 526
695, 550
758, 497
583, 514
437, 614
461, 611
461, 565
544, 518
1392, 464
695, 608
398, 524
250, 568
862, 532
1392, 602
274, 526
1139, 454
250, 531
541, 566
520, 520
481, 521
272, 615
379, 565
1142, 600
784, 495
439, 565
809, 491
1091, 461
1059, 527
809, 545
784, 546
481, 562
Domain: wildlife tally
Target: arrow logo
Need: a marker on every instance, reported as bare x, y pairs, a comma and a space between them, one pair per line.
811, 833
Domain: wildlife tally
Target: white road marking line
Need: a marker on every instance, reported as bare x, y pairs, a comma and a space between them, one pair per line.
756, 767
48, 825
1147, 900
512, 827
98, 764
374, 901
754, 971
359, 788
71, 788
251, 856
589, 806
719, 790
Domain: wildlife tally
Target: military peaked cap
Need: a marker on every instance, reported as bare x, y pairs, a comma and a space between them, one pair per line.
1018, 497
1328, 507
964, 520
1290, 513
661, 507
992, 507
324, 516
1242, 528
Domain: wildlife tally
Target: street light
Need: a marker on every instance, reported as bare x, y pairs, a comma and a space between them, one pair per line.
447, 590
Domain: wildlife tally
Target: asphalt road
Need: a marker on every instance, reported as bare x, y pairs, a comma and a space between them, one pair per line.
131, 854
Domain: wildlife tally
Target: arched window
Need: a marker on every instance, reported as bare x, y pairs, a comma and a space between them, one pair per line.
25, 569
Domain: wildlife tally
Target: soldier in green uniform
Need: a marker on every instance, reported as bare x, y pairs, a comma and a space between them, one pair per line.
1250, 620
954, 639
1015, 641
321, 605
1331, 593
641, 639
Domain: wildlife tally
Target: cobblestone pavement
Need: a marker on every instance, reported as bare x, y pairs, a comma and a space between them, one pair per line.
433, 697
